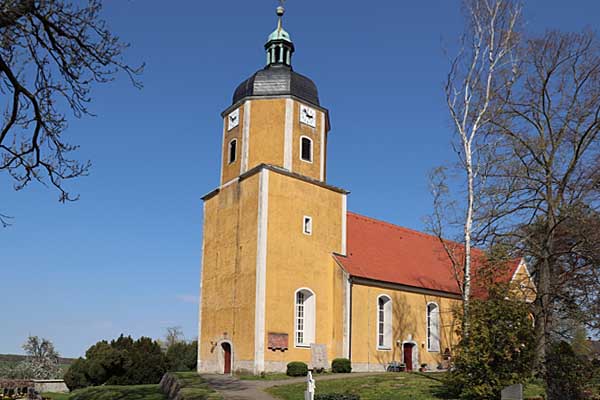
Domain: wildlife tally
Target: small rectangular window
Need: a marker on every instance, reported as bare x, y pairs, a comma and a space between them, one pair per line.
232, 151
307, 225
306, 151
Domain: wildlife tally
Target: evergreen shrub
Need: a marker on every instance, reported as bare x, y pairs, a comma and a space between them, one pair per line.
297, 368
341, 365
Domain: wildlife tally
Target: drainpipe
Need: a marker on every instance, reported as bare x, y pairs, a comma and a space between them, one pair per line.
350, 322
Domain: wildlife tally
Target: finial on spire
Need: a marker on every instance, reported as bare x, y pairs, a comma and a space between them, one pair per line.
280, 12
279, 45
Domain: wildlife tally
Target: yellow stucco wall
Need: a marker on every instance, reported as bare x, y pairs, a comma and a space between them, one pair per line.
522, 285
299, 166
231, 170
267, 124
228, 276
296, 260
408, 323
267, 139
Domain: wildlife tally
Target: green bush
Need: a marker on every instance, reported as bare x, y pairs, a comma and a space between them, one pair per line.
77, 376
297, 368
182, 356
498, 351
121, 362
341, 365
337, 396
567, 374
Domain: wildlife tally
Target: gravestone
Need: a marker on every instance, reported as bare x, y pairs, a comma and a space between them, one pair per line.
318, 356
514, 392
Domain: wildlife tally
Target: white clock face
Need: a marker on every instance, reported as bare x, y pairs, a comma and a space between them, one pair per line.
308, 116
233, 119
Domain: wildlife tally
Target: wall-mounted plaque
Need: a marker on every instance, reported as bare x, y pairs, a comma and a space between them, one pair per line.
318, 356
278, 341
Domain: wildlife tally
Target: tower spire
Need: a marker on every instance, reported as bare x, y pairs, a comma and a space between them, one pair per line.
279, 45
280, 12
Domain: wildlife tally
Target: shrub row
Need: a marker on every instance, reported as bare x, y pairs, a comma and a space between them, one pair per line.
299, 368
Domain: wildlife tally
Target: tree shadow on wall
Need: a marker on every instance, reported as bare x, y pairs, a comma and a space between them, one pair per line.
402, 326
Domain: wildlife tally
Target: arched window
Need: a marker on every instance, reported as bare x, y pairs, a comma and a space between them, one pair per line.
232, 151
306, 149
433, 327
384, 322
305, 318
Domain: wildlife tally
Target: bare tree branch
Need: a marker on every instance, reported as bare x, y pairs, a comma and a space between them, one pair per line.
52, 52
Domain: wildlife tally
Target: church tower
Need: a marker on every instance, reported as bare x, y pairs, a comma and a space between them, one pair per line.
268, 278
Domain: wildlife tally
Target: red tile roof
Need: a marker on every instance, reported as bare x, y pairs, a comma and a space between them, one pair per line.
382, 251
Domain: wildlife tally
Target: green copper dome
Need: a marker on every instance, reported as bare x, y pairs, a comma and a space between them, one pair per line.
279, 34
279, 45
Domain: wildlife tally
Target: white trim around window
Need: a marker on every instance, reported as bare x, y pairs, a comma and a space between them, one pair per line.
307, 225
384, 322
304, 317
432, 315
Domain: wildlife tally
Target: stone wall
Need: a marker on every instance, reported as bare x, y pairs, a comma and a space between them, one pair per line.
50, 386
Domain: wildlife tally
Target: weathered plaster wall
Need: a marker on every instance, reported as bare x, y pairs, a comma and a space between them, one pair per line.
408, 324
317, 135
267, 123
296, 260
230, 171
228, 275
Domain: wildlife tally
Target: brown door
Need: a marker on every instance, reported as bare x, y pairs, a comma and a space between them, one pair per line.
226, 357
408, 361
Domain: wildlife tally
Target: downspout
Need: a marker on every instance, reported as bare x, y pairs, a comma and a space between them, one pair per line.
350, 323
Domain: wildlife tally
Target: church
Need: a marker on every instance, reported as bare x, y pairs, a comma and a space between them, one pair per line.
288, 273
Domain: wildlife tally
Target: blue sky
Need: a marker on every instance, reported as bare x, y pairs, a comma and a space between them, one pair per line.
126, 257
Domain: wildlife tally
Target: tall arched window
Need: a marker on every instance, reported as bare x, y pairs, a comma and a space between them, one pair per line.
384, 322
433, 327
306, 149
305, 318
232, 151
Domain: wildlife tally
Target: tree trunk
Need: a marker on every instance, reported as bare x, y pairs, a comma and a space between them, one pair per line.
467, 231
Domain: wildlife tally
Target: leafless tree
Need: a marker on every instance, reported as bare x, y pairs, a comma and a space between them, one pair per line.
173, 335
483, 69
51, 54
543, 192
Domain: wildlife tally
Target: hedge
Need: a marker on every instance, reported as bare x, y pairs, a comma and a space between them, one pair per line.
297, 368
341, 365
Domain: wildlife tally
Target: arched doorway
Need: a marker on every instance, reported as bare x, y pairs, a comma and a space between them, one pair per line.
407, 355
226, 357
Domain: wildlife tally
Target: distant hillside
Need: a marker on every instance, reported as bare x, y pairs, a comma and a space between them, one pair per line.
14, 358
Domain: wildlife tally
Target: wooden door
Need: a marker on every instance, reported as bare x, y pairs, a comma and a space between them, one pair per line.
408, 361
226, 357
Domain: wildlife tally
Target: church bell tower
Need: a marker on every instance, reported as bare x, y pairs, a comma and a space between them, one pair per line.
275, 117
271, 225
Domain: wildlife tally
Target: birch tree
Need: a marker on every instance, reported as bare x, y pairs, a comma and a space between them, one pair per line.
484, 67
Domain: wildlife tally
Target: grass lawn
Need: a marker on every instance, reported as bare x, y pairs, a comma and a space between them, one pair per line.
265, 377
137, 392
56, 396
393, 386
193, 387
